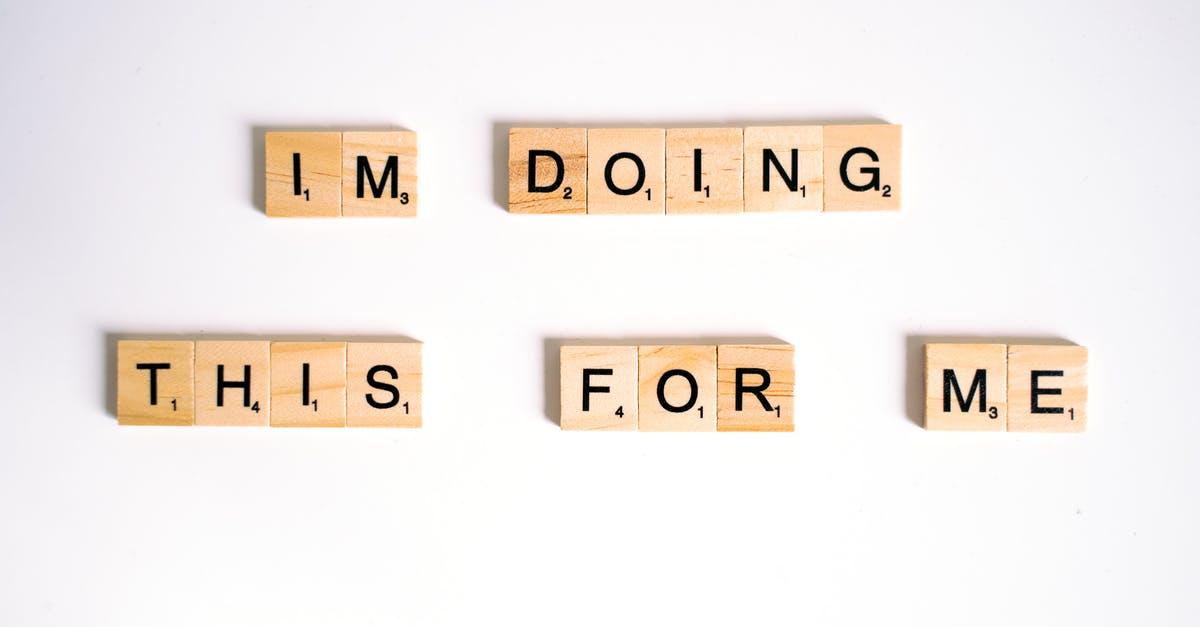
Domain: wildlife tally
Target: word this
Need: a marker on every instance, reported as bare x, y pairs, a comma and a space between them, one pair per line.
704, 170
331, 174
260, 383
677, 388
998, 387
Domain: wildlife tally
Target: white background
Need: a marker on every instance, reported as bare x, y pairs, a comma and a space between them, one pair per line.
1050, 157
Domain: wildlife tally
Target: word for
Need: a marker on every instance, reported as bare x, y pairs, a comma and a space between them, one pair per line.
331, 174
677, 388
704, 170
259, 383
1007, 387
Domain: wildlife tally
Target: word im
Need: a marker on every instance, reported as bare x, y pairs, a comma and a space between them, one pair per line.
331, 174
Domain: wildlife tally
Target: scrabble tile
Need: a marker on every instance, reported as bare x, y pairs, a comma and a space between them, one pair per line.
154, 382
862, 167
626, 171
379, 173
966, 387
755, 387
783, 168
1047, 388
233, 383
383, 384
557, 158
304, 174
599, 388
704, 170
308, 384
677, 388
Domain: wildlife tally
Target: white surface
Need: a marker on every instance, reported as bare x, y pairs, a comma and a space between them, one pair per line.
1049, 191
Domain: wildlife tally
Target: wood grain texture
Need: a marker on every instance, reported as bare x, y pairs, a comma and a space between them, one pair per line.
234, 362
777, 361
718, 188
783, 168
160, 392
877, 172
1061, 404
624, 148
986, 397
387, 152
687, 407
612, 402
569, 196
394, 397
326, 390
320, 174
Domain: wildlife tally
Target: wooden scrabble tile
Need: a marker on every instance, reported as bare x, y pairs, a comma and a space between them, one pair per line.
383, 384
154, 382
233, 383
557, 160
704, 170
599, 388
966, 387
379, 173
308, 384
1047, 388
677, 388
862, 167
755, 387
626, 171
783, 168
304, 174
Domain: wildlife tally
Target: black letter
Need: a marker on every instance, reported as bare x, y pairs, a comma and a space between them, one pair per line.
295, 174
588, 388
154, 368
662, 388
387, 387
739, 389
696, 170
389, 170
641, 168
558, 167
1034, 391
222, 384
304, 385
950, 382
792, 181
874, 172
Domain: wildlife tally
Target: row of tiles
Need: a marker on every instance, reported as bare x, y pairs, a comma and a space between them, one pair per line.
677, 388
998, 387
331, 174
260, 383
704, 170
980, 387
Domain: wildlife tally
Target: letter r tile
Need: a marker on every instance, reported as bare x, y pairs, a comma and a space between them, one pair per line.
755, 387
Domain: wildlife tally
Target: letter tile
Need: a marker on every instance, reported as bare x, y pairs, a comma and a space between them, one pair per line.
966, 387
379, 173
677, 388
626, 170
154, 382
304, 174
599, 388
